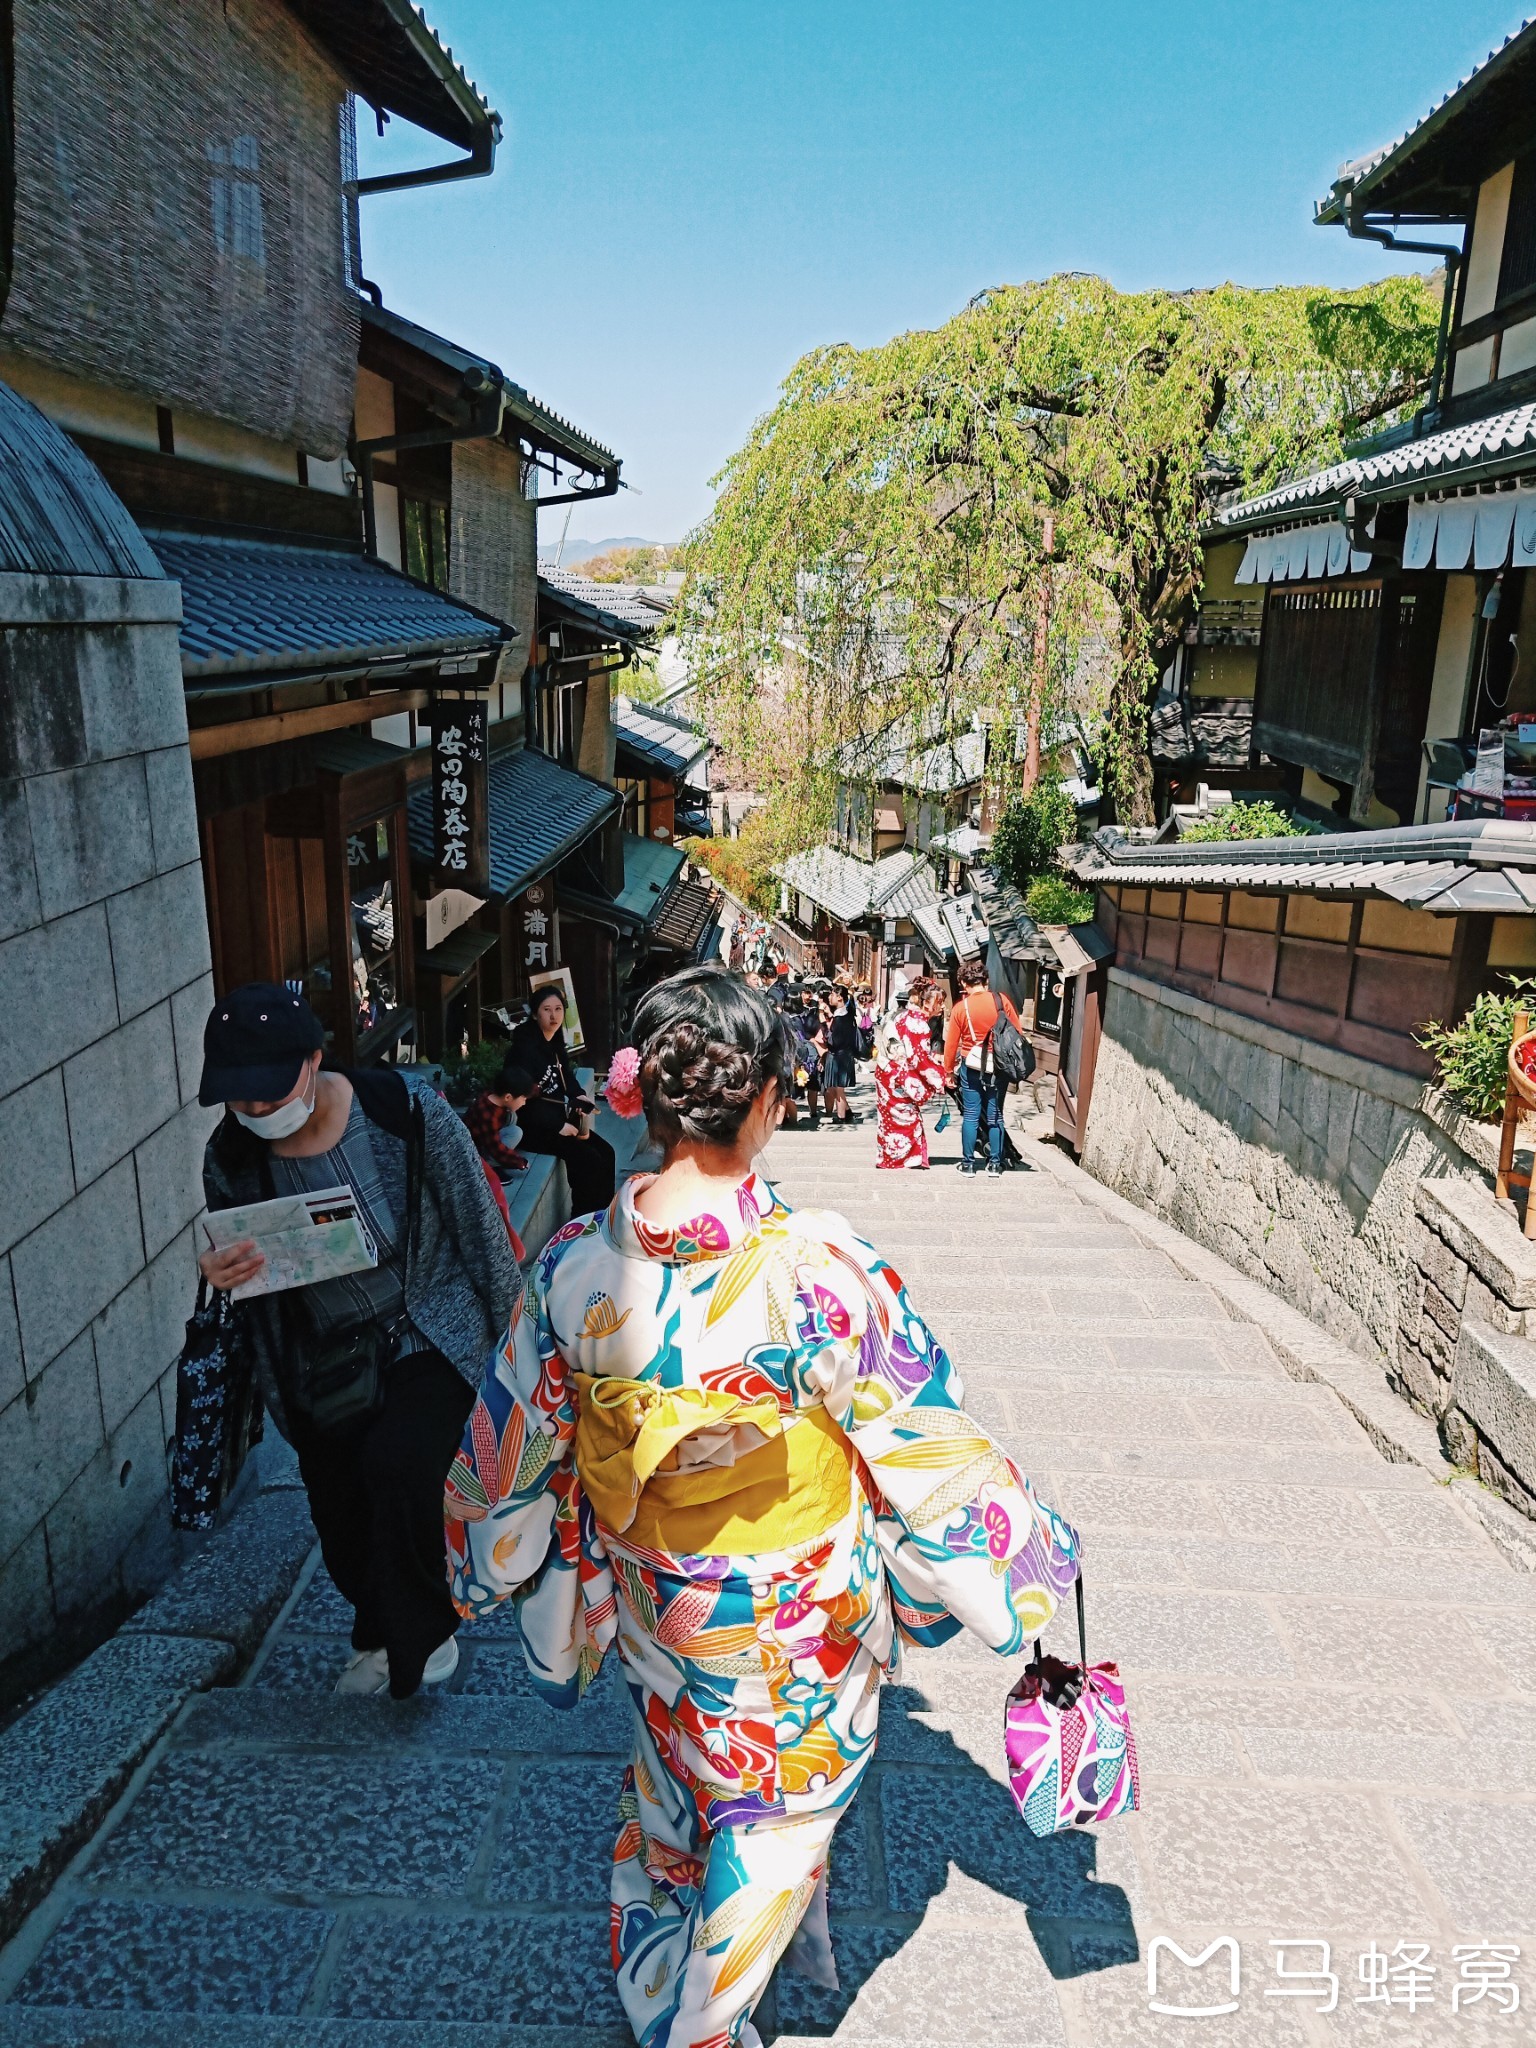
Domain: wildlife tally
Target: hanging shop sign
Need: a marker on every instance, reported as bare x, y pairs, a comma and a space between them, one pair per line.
461, 849
535, 930
446, 911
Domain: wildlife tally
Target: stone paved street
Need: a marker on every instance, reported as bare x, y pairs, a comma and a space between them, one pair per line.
1331, 1670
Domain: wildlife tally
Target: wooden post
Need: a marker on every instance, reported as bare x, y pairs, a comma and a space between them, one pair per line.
1507, 1133
1040, 663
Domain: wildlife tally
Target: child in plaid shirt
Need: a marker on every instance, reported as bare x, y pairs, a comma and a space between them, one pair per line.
492, 1119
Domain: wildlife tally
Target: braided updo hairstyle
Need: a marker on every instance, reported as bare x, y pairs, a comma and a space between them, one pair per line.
708, 1045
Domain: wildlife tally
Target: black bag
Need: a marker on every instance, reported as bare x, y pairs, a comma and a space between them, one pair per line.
1013, 1057
339, 1386
218, 1412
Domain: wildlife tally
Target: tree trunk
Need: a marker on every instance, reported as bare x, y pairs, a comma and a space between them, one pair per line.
1039, 666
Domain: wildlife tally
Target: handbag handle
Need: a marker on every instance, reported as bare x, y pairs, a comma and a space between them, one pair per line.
1082, 1627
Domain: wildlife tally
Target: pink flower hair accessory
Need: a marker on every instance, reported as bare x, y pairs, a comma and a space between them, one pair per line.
622, 1088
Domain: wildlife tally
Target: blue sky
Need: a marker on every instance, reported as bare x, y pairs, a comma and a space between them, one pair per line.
693, 192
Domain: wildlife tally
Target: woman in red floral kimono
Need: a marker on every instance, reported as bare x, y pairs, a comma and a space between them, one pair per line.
908, 1073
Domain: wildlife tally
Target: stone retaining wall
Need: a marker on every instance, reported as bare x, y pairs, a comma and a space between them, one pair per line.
104, 986
1298, 1164
1466, 1351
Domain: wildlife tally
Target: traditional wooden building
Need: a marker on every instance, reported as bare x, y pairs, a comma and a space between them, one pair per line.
837, 911
1354, 941
1394, 588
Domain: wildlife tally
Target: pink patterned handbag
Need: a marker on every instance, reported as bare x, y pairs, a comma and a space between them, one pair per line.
1067, 1733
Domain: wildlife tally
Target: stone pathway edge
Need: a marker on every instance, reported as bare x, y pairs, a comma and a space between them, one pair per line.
69, 1756
1400, 1433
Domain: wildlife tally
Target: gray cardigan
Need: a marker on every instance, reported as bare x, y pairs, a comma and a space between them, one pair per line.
461, 1277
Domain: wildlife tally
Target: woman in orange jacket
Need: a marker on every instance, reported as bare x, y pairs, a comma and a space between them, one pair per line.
968, 1056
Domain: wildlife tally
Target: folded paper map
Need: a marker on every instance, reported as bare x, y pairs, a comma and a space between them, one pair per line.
303, 1238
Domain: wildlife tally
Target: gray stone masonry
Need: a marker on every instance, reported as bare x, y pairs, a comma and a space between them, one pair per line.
1297, 1164
1466, 1351
104, 981
1331, 1672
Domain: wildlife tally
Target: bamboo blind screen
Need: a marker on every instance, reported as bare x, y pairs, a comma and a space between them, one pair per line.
180, 222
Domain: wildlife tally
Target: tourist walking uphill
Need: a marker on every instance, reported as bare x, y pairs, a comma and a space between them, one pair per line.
969, 1058
371, 1374
907, 1076
720, 1438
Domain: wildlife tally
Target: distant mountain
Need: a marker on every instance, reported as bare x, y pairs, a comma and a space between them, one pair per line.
579, 551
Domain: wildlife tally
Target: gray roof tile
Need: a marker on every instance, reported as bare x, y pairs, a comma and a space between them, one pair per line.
249, 607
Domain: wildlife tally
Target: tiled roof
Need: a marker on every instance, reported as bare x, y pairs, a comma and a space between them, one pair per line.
1009, 925
256, 607
1488, 866
900, 883
686, 915
659, 735
930, 766
538, 812
579, 448
850, 889
1201, 732
393, 59
651, 866
833, 880
1500, 443
935, 934
1380, 165
626, 602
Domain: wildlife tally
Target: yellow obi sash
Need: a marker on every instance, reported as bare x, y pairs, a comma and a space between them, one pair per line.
783, 1492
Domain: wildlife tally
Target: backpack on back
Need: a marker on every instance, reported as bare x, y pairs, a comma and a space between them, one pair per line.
1013, 1057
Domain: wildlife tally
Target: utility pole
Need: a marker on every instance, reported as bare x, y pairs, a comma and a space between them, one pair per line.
1037, 679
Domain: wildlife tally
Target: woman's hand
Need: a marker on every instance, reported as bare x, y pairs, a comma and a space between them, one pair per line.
231, 1265
569, 1131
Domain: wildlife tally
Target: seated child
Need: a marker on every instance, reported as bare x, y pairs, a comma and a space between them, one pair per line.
493, 1121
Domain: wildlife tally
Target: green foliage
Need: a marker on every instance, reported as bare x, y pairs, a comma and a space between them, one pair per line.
647, 564
1051, 899
641, 683
1031, 831
877, 548
735, 870
1243, 821
1472, 1057
466, 1077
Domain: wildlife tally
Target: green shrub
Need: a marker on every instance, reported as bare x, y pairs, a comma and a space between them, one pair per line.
1472, 1057
465, 1078
1051, 899
732, 868
1031, 832
1243, 821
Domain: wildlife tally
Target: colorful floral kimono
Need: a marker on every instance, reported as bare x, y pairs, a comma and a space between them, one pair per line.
908, 1074
735, 1452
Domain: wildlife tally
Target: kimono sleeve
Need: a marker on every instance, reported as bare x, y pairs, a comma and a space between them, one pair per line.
963, 1535
518, 1524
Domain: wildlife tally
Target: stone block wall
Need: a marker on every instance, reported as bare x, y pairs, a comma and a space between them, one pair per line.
104, 986
1466, 1350
1298, 1164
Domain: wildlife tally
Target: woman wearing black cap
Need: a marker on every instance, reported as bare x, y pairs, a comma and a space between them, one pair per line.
371, 1375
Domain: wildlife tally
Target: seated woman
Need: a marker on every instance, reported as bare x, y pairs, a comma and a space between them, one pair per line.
554, 1117
719, 1435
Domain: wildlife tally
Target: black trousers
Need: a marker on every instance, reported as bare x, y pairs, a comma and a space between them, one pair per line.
377, 1503
590, 1167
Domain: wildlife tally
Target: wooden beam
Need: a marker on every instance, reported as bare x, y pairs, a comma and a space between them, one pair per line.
235, 735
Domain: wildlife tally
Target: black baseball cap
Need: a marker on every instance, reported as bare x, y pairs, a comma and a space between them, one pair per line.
254, 1043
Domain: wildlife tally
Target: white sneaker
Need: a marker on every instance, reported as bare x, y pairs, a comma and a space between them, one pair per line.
365, 1672
442, 1663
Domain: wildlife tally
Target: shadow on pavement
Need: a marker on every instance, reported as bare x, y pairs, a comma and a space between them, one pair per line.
927, 1807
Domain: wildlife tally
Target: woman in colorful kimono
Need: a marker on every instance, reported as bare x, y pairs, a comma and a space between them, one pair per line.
719, 1435
908, 1074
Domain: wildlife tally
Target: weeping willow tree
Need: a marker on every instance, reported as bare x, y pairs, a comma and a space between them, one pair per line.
938, 528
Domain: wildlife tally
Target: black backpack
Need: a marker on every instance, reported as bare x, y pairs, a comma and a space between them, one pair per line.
1013, 1057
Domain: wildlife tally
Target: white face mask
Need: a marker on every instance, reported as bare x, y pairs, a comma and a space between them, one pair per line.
283, 1121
